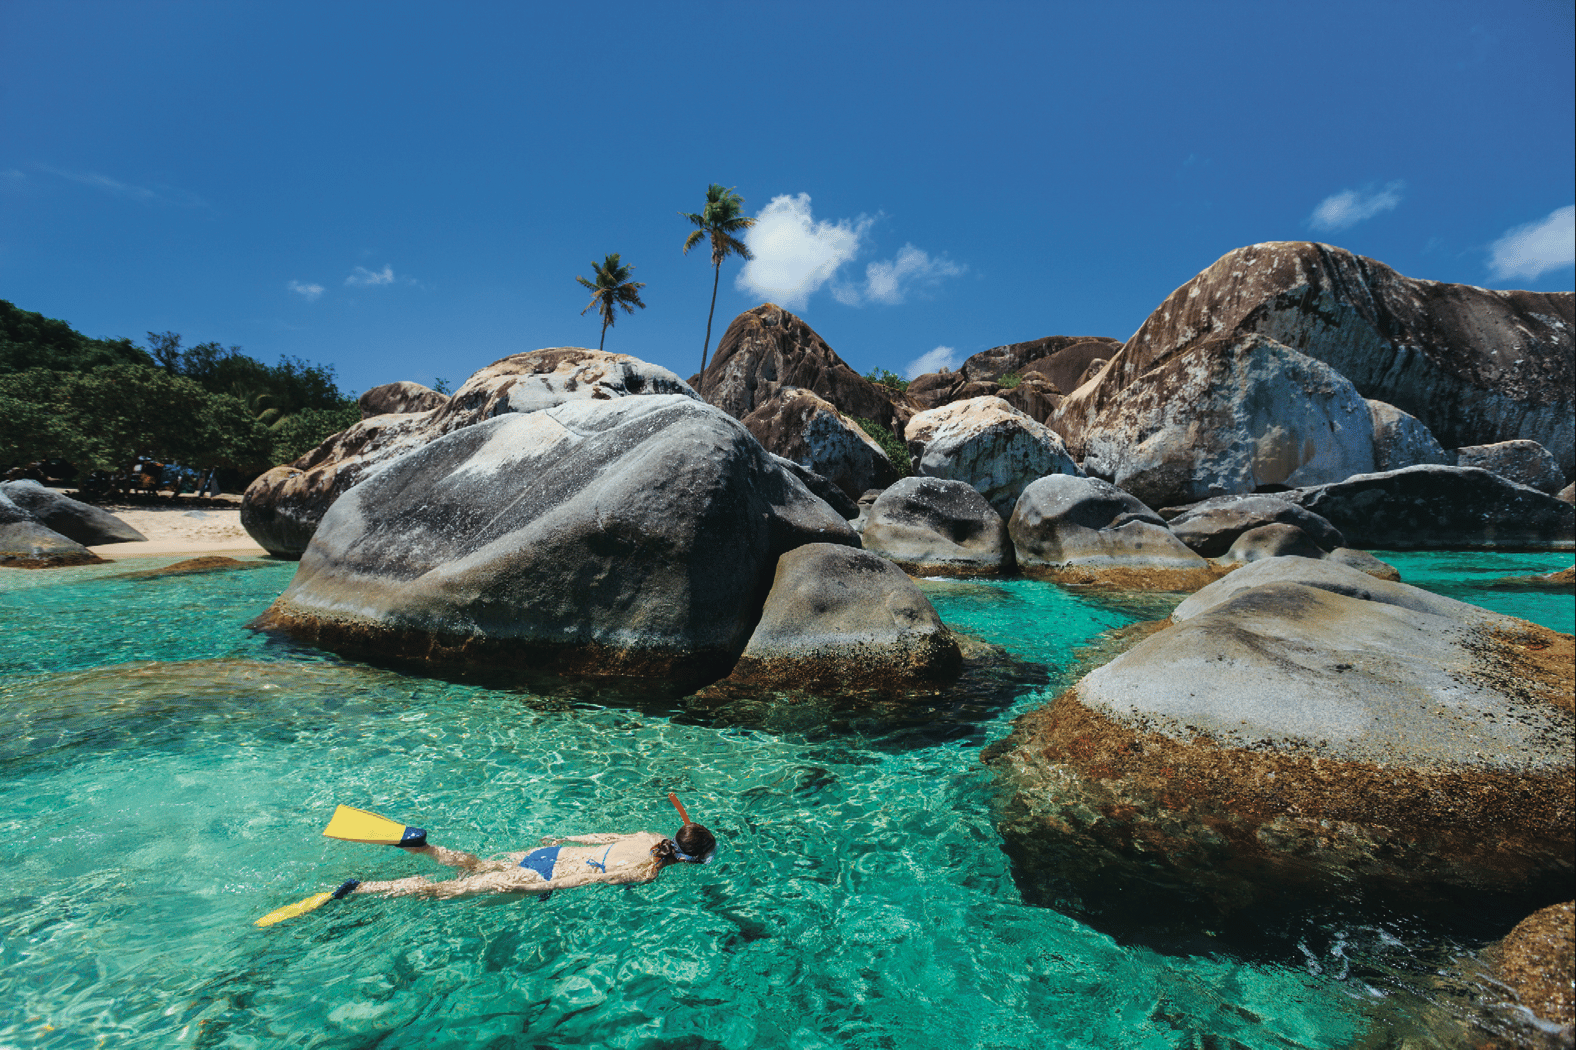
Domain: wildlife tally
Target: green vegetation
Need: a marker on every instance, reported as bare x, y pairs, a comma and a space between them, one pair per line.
1010, 380
99, 405
611, 288
887, 378
722, 217
895, 450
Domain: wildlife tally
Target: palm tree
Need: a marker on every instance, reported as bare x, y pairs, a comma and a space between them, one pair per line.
612, 288
722, 217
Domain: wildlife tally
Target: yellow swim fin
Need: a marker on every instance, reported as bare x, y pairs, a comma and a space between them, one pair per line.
357, 825
317, 900
290, 911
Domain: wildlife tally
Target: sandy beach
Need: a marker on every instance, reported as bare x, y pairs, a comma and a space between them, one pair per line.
181, 528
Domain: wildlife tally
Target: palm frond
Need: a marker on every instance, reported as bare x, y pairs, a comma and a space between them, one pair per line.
694, 238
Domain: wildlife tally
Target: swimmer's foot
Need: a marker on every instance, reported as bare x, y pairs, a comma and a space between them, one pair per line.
346, 889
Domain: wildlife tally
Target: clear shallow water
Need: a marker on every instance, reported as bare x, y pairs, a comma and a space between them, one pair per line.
1463, 574
166, 774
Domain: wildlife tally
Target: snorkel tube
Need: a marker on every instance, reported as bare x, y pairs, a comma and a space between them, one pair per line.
688, 823
680, 807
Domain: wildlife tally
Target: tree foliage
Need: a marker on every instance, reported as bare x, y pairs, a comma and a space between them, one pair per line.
895, 450
101, 404
612, 288
887, 378
721, 218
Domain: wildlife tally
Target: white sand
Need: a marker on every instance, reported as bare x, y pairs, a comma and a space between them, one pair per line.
180, 529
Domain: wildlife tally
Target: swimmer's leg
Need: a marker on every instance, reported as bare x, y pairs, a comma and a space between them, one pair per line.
452, 857
465, 886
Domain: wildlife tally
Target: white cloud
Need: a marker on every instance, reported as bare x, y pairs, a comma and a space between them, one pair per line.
362, 277
1534, 249
309, 292
794, 254
116, 188
934, 361
890, 282
1350, 207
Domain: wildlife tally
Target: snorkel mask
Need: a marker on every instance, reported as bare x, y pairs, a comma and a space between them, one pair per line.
673, 798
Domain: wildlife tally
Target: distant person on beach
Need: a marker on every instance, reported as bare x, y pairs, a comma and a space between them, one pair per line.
610, 858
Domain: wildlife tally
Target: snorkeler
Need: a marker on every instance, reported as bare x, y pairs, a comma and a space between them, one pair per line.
608, 858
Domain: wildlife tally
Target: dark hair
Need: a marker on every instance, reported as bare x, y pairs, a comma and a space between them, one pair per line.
695, 840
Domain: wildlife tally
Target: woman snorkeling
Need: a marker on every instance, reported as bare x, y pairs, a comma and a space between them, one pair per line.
579, 860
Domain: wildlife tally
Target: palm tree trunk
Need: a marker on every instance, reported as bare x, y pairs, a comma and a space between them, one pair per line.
707, 344
602, 340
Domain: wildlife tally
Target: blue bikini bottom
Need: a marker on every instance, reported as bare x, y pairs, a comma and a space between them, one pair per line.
541, 861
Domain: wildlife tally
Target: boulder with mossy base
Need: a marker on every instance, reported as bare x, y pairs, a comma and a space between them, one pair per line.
842, 621
1084, 531
632, 538
1301, 731
27, 544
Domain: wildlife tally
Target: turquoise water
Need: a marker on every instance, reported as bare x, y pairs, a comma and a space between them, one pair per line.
166, 775
1463, 574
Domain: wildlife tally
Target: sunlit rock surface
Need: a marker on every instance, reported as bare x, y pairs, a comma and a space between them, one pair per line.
989, 444
933, 526
800, 425
632, 537
1303, 730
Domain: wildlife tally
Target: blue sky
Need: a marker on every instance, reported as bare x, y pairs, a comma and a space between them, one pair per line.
408, 191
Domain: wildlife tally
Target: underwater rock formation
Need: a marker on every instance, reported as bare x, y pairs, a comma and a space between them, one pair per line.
989, 444
82, 522
801, 426
936, 526
840, 620
625, 538
1219, 417
1536, 962
1430, 507
1301, 731
1088, 531
1476, 366
281, 509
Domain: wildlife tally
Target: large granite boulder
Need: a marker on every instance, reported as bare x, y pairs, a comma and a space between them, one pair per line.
1430, 507
800, 425
1220, 417
1401, 439
1067, 368
835, 497
840, 620
628, 539
1014, 358
281, 508
937, 526
86, 524
934, 389
1522, 461
1211, 527
1033, 395
989, 444
1087, 531
1271, 541
403, 396
768, 348
1477, 366
27, 544
1303, 731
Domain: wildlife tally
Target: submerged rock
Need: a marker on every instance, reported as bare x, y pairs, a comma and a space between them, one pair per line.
1211, 527
801, 426
989, 444
1562, 580
191, 567
401, 397
281, 509
1524, 462
1302, 731
840, 620
82, 522
1220, 417
935, 526
1537, 962
1088, 531
1432, 507
633, 538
